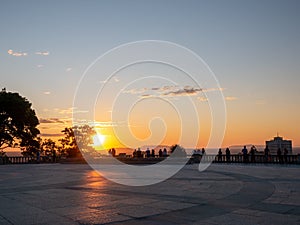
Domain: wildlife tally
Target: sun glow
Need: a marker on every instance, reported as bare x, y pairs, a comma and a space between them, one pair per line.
98, 140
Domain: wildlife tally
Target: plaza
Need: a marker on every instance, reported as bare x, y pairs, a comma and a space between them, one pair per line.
222, 194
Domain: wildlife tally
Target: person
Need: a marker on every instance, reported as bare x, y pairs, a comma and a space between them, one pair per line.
134, 153
227, 152
203, 151
220, 155
139, 153
160, 153
252, 153
113, 152
148, 153
153, 153
266, 153
165, 154
245, 154
285, 155
279, 156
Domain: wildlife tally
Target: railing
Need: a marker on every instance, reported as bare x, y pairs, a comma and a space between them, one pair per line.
238, 158
24, 160
234, 158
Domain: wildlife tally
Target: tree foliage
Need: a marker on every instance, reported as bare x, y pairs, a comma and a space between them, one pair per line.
18, 122
76, 138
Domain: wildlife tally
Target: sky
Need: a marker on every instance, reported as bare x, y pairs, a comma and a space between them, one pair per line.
252, 47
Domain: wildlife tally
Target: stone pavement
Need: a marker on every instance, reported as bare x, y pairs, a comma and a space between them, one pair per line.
223, 194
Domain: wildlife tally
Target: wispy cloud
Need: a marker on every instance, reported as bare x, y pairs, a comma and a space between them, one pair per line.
43, 53
187, 90
69, 111
51, 120
116, 79
202, 99
170, 91
46, 92
39, 66
68, 69
13, 53
230, 98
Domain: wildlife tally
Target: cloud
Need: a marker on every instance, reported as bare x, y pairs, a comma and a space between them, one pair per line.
116, 79
230, 98
171, 91
202, 99
187, 90
39, 66
52, 120
136, 91
68, 69
146, 96
46, 92
44, 53
11, 52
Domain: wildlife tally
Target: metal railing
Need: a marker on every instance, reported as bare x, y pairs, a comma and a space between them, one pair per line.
233, 158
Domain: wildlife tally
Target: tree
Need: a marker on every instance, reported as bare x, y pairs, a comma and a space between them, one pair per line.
18, 122
48, 146
76, 138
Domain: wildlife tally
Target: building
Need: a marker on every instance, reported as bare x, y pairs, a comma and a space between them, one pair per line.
277, 143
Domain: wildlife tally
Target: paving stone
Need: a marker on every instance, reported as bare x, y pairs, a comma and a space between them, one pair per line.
223, 194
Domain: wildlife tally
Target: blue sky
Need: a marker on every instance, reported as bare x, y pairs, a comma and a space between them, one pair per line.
252, 47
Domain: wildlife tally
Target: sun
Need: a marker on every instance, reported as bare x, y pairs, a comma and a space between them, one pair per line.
98, 140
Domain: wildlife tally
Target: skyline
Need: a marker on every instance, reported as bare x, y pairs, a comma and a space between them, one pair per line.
252, 48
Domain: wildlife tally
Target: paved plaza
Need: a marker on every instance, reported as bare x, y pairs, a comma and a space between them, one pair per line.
223, 194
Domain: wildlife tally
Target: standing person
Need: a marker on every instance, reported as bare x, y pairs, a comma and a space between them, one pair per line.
160, 153
203, 151
148, 153
134, 153
252, 153
139, 153
245, 154
279, 155
227, 152
153, 153
165, 154
220, 155
113, 152
267, 152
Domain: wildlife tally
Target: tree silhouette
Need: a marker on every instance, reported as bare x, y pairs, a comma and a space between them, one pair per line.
18, 122
75, 138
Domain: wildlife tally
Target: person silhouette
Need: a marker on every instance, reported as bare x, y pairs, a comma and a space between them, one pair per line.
245, 154
153, 153
160, 153
252, 153
267, 153
279, 155
227, 152
220, 155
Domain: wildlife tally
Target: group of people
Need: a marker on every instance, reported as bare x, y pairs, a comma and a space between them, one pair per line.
147, 154
227, 154
267, 156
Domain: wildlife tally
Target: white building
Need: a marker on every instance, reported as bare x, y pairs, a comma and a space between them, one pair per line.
277, 143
